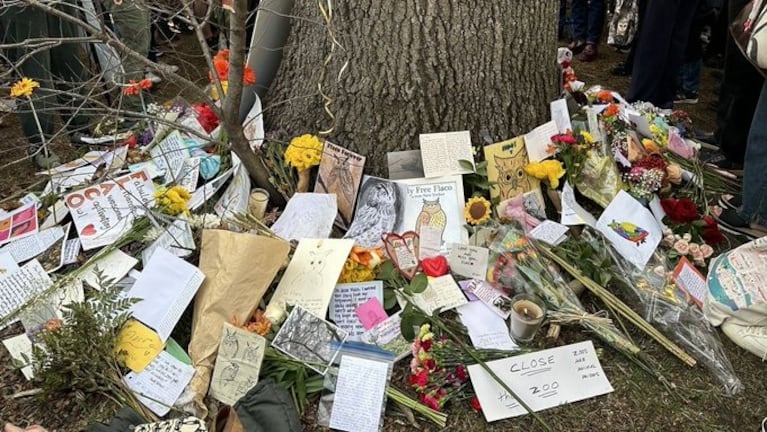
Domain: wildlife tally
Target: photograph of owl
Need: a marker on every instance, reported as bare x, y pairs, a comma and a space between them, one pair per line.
432, 215
377, 209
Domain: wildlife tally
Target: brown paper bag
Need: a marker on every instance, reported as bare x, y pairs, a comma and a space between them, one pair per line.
238, 270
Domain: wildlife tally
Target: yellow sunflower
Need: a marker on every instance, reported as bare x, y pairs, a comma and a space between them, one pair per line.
477, 210
24, 87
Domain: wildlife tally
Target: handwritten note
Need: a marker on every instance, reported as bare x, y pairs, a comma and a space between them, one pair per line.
29, 247
493, 298
371, 313
139, 344
21, 286
190, 174
440, 153
486, 329
238, 363
170, 155
71, 251
177, 238
543, 379
166, 286
468, 261
538, 141
387, 335
550, 232
163, 381
307, 215
560, 115
19, 347
430, 241
345, 301
689, 279
442, 293
358, 402
572, 212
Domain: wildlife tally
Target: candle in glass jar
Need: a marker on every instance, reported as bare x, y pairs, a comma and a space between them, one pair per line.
527, 313
257, 202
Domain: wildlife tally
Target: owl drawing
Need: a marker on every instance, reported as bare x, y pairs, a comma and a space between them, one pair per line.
312, 278
432, 216
512, 179
376, 213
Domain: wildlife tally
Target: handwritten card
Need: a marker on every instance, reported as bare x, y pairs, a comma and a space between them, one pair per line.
560, 115
468, 261
493, 298
21, 286
190, 174
238, 363
170, 154
429, 241
387, 335
543, 379
442, 293
360, 394
371, 313
307, 215
631, 229
550, 232
538, 141
486, 329
19, 347
71, 251
347, 298
689, 279
29, 247
572, 212
166, 286
162, 381
138, 344
440, 153
312, 274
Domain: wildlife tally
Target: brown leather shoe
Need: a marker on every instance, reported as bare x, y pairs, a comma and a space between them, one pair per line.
576, 46
589, 53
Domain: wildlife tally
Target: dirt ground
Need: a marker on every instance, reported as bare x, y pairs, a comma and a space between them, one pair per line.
639, 402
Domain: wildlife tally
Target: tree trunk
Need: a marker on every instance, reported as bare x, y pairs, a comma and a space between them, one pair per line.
415, 66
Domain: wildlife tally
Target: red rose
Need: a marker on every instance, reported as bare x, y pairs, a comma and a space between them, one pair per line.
435, 267
711, 233
680, 211
206, 117
475, 404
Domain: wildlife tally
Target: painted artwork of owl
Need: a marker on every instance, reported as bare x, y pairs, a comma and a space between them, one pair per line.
376, 213
506, 162
432, 215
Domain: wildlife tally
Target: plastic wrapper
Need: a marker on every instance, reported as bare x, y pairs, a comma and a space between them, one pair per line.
670, 311
599, 180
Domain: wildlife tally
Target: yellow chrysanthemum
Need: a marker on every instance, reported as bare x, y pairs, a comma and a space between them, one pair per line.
214, 89
477, 210
587, 137
24, 87
651, 146
173, 201
304, 152
551, 170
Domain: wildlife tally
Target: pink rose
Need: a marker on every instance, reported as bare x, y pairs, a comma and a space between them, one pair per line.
682, 247
697, 255
707, 251
694, 248
669, 240
700, 263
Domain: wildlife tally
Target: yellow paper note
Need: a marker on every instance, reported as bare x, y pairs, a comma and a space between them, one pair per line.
140, 345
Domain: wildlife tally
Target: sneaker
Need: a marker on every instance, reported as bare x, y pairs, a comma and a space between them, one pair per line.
167, 68
730, 201
683, 97
731, 222
750, 338
589, 53
151, 76
577, 46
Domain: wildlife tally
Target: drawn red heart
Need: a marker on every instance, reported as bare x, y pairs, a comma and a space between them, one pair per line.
88, 230
435, 267
403, 251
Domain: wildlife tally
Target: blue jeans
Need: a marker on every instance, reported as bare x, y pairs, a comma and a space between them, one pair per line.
562, 18
689, 77
754, 208
588, 18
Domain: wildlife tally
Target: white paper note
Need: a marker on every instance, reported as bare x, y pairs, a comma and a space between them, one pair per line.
346, 299
114, 265
189, 174
234, 200
19, 347
543, 379
166, 286
572, 212
21, 286
72, 178
538, 141
29, 247
7, 264
307, 215
440, 153
442, 293
177, 238
86, 159
631, 229
492, 297
468, 261
550, 232
163, 380
657, 210
358, 401
486, 329
560, 115
429, 241
56, 214
237, 365
387, 335
71, 251
204, 193
170, 155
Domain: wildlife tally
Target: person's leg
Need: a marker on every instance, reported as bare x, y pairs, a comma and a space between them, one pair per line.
684, 14
754, 208
689, 82
132, 25
579, 18
651, 51
596, 21
562, 19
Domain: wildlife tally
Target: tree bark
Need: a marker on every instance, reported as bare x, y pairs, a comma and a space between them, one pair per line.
415, 66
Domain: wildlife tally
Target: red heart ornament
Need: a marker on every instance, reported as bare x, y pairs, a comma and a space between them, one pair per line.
435, 267
402, 251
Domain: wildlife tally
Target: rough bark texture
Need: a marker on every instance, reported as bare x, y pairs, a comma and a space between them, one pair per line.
416, 66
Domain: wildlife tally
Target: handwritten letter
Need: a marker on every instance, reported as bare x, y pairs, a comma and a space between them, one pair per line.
359, 396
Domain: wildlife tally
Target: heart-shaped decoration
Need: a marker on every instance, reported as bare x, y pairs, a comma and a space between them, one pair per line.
435, 266
402, 250
88, 230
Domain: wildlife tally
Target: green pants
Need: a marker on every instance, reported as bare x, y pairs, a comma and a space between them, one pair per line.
132, 25
57, 68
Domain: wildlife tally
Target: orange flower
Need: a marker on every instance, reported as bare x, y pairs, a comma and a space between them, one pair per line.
145, 84
221, 64
132, 89
365, 256
605, 95
611, 110
258, 323
248, 76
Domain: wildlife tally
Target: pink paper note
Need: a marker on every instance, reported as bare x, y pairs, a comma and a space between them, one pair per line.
371, 313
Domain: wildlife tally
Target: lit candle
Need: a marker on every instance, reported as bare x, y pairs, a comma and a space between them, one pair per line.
527, 314
257, 202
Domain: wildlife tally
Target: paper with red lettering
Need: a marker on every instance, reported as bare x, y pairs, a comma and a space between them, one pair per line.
104, 212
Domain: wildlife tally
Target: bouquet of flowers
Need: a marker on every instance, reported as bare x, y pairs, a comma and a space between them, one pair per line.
688, 233
436, 373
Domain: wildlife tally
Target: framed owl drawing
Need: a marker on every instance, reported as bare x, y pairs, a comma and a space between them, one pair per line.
506, 161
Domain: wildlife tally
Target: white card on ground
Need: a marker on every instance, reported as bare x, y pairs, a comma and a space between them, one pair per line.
387, 335
550, 232
7, 264
166, 286
468, 261
358, 401
307, 215
163, 380
657, 210
560, 115
543, 379
56, 214
486, 329
114, 265
19, 347
538, 141
85, 159
689, 279
237, 365
631, 229
21, 286
72, 178
440, 153
29, 247
492, 297
71, 251
347, 297
170, 154
234, 200
204, 193
177, 238
442, 293
572, 212
190, 173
